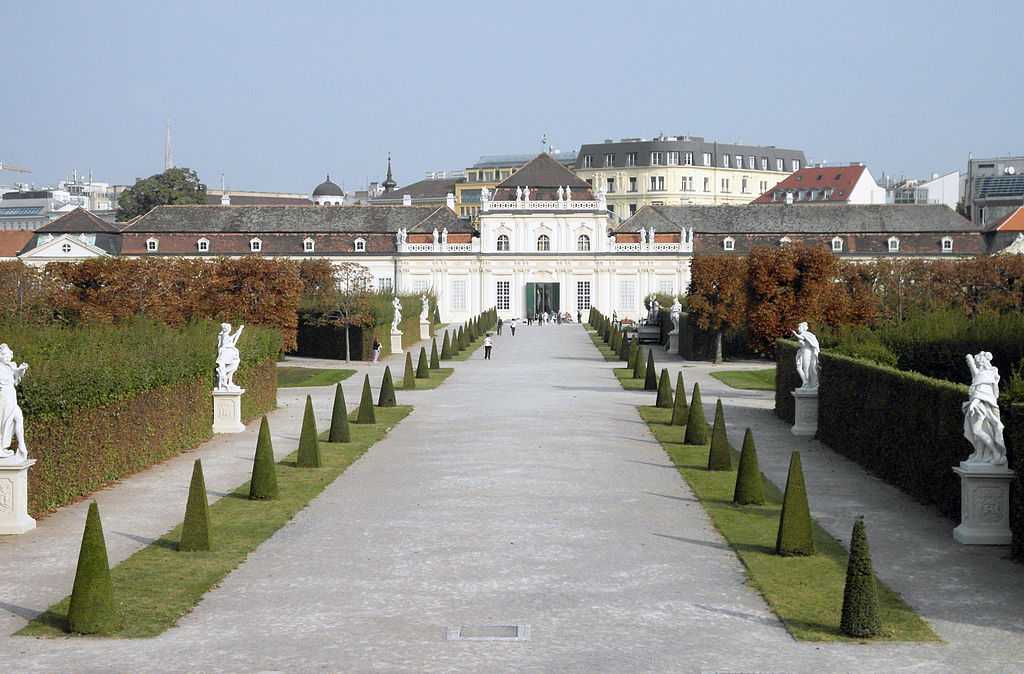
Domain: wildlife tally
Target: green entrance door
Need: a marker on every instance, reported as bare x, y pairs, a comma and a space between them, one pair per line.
541, 297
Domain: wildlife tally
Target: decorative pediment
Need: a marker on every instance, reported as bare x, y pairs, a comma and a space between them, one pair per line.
64, 247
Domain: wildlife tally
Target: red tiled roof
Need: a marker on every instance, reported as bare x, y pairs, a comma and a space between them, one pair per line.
1014, 222
840, 179
11, 242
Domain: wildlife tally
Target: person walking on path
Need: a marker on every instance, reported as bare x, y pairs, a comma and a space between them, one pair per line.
376, 350
579, 316
512, 327
487, 346
499, 326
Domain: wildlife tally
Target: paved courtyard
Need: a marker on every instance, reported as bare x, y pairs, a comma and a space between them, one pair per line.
525, 490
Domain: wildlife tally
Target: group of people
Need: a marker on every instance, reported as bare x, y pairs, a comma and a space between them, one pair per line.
547, 318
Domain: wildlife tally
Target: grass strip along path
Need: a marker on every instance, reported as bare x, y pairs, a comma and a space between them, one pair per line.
605, 350
750, 380
436, 378
293, 377
158, 585
806, 593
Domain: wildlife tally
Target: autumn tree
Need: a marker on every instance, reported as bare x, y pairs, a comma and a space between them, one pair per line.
717, 295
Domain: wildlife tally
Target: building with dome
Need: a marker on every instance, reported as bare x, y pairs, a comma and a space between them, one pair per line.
328, 193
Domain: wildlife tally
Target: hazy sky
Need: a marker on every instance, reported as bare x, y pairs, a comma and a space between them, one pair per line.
275, 94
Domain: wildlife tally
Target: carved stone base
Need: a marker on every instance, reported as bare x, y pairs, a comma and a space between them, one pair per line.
14, 517
984, 504
227, 411
424, 330
673, 342
396, 341
805, 417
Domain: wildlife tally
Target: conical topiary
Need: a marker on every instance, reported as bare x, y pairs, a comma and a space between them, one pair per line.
422, 367
435, 362
720, 455
679, 407
639, 364
795, 534
749, 488
860, 597
696, 424
366, 415
409, 375
195, 530
650, 375
309, 443
664, 398
446, 347
263, 483
386, 397
634, 355
339, 418
92, 609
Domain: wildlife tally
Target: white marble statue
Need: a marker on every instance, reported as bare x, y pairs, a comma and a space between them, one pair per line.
424, 308
982, 425
675, 313
526, 194
807, 357
650, 238
485, 194
435, 236
228, 357
652, 309
561, 193
397, 318
12, 424
643, 236
568, 193
444, 236
519, 194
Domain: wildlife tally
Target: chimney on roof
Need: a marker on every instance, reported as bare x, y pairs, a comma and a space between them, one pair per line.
450, 201
407, 200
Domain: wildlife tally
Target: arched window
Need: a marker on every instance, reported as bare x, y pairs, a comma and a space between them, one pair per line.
728, 243
837, 245
583, 243
308, 245
203, 245
360, 245
503, 243
255, 245
152, 245
543, 242
894, 245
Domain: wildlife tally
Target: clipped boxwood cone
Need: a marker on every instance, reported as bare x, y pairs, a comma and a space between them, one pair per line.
720, 455
309, 443
664, 398
749, 488
263, 484
696, 425
795, 534
386, 397
366, 415
339, 418
651, 375
195, 530
860, 597
639, 364
446, 347
409, 376
435, 362
679, 407
422, 366
92, 609
634, 354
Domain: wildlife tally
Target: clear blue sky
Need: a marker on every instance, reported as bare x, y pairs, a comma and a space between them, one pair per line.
275, 94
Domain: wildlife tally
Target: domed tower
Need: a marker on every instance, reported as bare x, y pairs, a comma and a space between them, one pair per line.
328, 193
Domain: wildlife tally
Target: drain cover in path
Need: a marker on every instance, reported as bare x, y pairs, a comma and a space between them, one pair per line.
488, 633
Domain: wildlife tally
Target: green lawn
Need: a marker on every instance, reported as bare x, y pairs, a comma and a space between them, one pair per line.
157, 585
625, 377
753, 380
437, 377
605, 350
291, 377
806, 593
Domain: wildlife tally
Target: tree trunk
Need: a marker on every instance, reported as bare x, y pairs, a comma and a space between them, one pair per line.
718, 347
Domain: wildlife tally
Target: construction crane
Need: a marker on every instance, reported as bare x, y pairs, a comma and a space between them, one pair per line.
4, 166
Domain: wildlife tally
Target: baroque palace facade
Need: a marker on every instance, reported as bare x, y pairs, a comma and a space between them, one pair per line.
543, 240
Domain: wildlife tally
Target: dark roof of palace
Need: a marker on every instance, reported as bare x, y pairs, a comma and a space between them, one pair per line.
424, 189
805, 218
255, 200
79, 221
296, 219
543, 171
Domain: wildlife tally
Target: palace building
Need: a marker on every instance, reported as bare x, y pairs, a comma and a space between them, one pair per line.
543, 240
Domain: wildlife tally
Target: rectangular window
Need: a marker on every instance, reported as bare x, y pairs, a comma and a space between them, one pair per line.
632, 184
631, 159
657, 159
582, 295
750, 162
707, 159
762, 186
384, 284
627, 294
743, 186
725, 184
657, 183
503, 295
588, 161
687, 183
739, 161
780, 164
796, 165
471, 176
458, 294
421, 285
632, 209
611, 185
725, 160
666, 286
611, 208
688, 158
707, 184
609, 159
764, 163
673, 158
654, 183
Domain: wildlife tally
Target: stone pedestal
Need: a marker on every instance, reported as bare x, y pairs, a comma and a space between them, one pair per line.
984, 504
227, 411
424, 330
805, 417
396, 341
673, 343
14, 517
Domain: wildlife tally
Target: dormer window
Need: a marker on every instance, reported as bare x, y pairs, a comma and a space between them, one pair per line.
837, 245
255, 246
203, 245
360, 245
728, 243
152, 245
947, 244
894, 244
308, 245
785, 241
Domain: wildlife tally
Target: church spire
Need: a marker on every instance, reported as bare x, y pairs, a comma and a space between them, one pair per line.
389, 183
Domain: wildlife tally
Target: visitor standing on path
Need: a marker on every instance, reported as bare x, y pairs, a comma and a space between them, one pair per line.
512, 327
579, 316
499, 326
487, 346
376, 350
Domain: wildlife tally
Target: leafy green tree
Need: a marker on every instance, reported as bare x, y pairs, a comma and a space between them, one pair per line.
664, 398
309, 444
263, 484
339, 418
795, 533
860, 597
720, 454
195, 530
366, 415
680, 409
696, 425
749, 487
173, 186
92, 609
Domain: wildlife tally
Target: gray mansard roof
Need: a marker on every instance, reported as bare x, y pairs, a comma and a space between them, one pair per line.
695, 144
296, 219
800, 218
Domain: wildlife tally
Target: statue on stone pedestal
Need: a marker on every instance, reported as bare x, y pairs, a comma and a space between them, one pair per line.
228, 357
444, 236
643, 236
983, 427
519, 194
568, 193
561, 193
435, 236
424, 308
12, 424
807, 357
397, 318
526, 194
675, 313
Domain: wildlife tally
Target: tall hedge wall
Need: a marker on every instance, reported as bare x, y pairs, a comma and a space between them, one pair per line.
902, 426
1013, 418
786, 379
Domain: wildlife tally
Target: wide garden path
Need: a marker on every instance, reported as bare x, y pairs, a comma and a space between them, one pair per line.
524, 490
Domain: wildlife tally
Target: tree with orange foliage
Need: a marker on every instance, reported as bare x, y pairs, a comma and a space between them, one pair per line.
718, 294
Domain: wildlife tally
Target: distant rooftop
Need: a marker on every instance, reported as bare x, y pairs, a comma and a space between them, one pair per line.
503, 160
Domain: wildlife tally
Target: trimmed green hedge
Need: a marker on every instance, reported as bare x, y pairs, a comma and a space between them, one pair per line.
1013, 418
786, 379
